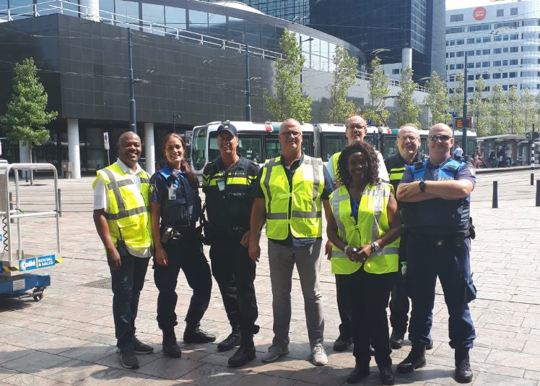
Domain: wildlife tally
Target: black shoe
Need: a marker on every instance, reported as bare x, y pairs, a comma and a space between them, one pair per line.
359, 373
196, 335
429, 346
463, 373
396, 339
229, 342
170, 345
243, 355
387, 375
415, 359
141, 348
342, 343
128, 359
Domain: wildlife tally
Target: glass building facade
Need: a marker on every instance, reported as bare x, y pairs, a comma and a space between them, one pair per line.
292, 10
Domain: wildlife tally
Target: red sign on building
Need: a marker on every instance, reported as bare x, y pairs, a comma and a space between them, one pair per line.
479, 13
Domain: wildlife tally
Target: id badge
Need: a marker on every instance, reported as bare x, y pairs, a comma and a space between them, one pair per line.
172, 193
221, 185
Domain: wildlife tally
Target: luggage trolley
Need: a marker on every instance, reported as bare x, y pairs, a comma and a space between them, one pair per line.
17, 276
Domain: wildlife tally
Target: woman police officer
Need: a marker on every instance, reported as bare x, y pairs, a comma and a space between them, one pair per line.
175, 208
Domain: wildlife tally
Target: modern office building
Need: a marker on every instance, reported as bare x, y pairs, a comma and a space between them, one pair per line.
189, 62
501, 43
382, 26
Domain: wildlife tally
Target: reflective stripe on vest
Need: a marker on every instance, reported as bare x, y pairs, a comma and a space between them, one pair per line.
372, 224
128, 210
335, 170
396, 174
305, 209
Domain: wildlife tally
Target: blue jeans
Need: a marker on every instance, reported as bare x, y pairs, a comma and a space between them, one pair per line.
127, 283
448, 258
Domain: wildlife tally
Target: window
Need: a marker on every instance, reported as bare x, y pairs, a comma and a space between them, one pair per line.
486, 52
505, 75
175, 18
513, 11
455, 30
479, 27
485, 64
514, 49
487, 88
470, 65
505, 49
505, 62
197, 21
452, 54
452, 67
505, 87
478, 40
452, 42
478, 64
497, 75
470, 40
512, 74
451, 78
459, 54
470, 77
485, 76
470, 89
497, 50
497, 38
460, 42
514, 37
459, 66
497, 63
513, 62
500, 12
456, 18
395, 71
470, 53
486, 39
153, 14
127, 11
529, 48
478, 52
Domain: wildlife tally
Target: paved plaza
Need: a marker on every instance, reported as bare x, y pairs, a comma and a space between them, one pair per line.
68, 337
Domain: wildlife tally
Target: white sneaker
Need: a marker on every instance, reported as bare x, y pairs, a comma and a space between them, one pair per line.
318, 355
274, 353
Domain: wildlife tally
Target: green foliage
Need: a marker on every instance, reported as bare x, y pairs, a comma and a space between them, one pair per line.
529, 109
288, 100
344, 77
516, 112
498, 110
456, 97
437, 100
480, 109
376, 110
26, 115
408, 109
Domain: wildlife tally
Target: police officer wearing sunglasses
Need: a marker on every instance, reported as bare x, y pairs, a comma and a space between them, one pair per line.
434, 200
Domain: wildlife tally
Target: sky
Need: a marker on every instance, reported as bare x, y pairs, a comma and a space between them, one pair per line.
454, 4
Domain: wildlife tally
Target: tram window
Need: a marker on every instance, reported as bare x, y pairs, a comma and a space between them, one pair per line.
213, 151
389, 149
307, 144
251, 148
198, 148
272, 148
332, 143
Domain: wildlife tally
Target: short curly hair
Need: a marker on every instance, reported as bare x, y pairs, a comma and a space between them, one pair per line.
372, 163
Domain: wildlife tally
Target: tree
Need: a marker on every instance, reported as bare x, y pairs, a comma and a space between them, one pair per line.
480, 108
376, 110
288, 100
529, 109
437, 100
516, 112
344, 77
498, 111
456, 95
26, 115
408, 109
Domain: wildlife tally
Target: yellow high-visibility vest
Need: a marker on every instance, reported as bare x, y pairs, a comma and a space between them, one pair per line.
372, 223
303, 198
128, 210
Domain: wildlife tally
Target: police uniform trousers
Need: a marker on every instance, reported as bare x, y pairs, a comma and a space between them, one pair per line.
344, 303
370, 295
127, 283
184, 253
399, 300
448, 258
234, 272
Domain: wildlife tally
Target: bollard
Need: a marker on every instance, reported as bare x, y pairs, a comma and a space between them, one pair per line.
60, 202
495, 201
532, 178
537, 192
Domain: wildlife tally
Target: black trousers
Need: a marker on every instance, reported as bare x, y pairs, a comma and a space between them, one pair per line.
399, 305
188, 256
370, 294
127, 284
234, 272
344, 303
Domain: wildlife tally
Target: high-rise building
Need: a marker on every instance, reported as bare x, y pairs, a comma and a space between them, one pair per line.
383, 26
501, 43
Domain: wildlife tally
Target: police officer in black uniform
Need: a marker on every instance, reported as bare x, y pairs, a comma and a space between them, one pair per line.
435, 204
408, 146
228, 185
176, 206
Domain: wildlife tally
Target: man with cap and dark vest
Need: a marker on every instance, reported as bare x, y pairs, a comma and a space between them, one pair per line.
434, 198
121, 217
408, 146
228, 186
291, 192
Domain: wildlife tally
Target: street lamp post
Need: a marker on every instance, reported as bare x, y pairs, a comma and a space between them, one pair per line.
248, 86
302, 69
464, 132
132, 104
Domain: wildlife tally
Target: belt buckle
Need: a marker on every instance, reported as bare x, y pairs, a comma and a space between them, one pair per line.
439, 243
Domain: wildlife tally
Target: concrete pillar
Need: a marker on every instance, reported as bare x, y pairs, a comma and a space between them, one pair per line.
90, 8
74, 151
149, 147
406, 58
24, 157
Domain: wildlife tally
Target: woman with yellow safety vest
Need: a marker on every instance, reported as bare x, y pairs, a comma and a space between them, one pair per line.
364, 229
175, 207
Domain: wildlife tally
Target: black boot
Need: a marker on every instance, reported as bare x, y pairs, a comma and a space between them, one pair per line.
387, 375
463, 371
342, 343
170, 345
396, 339
245, 353
359, 372
415, 359
194, 334
230, 342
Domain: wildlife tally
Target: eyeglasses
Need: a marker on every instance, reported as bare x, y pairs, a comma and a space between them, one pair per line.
360, 126
439, 137
408, 138
294, 134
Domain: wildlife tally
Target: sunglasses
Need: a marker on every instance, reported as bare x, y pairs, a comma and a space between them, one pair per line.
439, 137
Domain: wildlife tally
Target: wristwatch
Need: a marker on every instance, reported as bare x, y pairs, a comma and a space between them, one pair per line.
422, 186
375, 247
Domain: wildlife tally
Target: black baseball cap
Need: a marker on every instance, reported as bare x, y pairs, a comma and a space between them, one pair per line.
227, 126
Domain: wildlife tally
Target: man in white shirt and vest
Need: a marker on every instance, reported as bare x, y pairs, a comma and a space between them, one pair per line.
122, 220
290, 193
